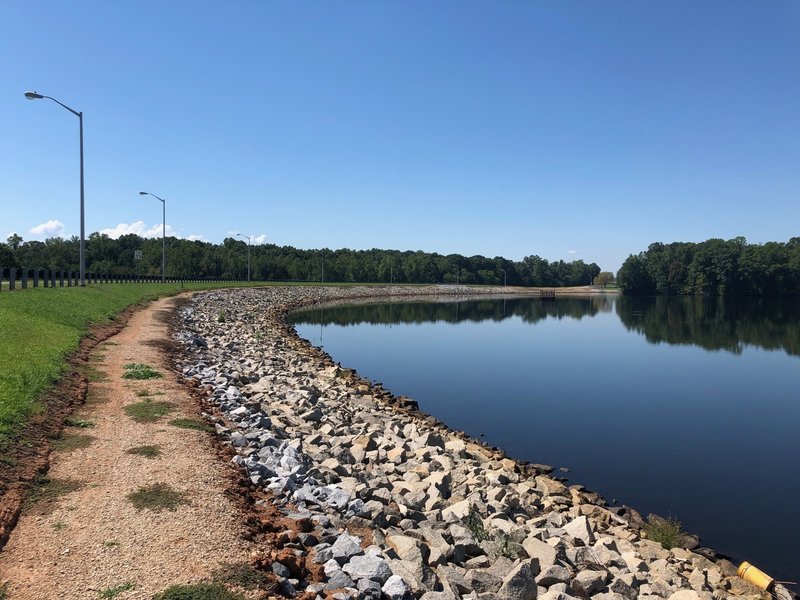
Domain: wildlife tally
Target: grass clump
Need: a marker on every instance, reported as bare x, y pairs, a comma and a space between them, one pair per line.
146, 451
140, 371
47, 490
157, 497
3, 591
70, 442
196, 424
242, 575
667, 532
198, 591
115, 591
148, 411
143, 394
221, 318
81, 423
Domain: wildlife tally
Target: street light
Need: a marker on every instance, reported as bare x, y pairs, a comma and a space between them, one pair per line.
248, 254
82, 248
163, 235
504, 277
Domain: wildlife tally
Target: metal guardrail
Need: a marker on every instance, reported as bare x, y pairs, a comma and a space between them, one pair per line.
12, 278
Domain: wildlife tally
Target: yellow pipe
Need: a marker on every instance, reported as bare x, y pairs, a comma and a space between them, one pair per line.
755, 576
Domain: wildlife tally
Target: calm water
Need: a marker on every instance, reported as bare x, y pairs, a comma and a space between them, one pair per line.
679, 406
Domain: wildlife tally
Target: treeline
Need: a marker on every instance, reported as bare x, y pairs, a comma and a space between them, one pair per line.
714, 268
269, 262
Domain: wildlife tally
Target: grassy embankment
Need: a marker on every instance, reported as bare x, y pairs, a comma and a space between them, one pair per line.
39, 328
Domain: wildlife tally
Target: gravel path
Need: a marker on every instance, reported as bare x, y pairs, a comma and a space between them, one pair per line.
91, 539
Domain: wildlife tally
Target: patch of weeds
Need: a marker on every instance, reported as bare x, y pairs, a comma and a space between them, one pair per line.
82, 423
148, 411
70, 442
115, 591
140, 371
110, 344
93, 374
3, 591
221, 317
59, 525
111, 543
8, 460
667, 532
184, 423
95, 396
505, 545
47, 490
198, 591
97, 357
501, 543
243, 575
143, 393
474, 523
157, 497
146, 451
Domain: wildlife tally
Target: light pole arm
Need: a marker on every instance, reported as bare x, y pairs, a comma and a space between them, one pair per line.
73, 111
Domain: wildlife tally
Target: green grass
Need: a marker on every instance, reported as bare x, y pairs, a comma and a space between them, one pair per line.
667, 532
111, 543
140, 371
80, 423
184, 423
148, 411
69, 442
198, 591
115, 591
42, 326
146, 451
45, 489
242, 575
157, 497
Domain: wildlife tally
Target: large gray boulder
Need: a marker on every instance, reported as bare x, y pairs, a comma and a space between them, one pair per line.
520, 583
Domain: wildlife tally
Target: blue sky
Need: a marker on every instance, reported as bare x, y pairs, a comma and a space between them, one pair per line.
565, 129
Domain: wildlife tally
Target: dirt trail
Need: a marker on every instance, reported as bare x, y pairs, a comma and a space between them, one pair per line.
77, 543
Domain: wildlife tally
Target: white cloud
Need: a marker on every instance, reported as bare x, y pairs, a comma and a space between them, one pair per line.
260, 239
196, 237
51, 228
571, 251
139, 228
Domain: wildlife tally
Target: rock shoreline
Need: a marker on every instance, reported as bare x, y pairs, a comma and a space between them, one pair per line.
389, 502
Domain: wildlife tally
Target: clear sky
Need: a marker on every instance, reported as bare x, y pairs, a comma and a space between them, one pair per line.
570, 129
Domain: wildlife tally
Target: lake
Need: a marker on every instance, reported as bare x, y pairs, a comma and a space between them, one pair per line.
687, 407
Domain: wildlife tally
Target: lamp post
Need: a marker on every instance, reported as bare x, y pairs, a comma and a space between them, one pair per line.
163, 234
82, 247
248, 254
504, 277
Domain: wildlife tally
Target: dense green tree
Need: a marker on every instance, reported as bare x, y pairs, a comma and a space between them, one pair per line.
715, 268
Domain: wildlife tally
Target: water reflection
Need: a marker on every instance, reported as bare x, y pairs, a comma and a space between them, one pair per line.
494, 309
709, 323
